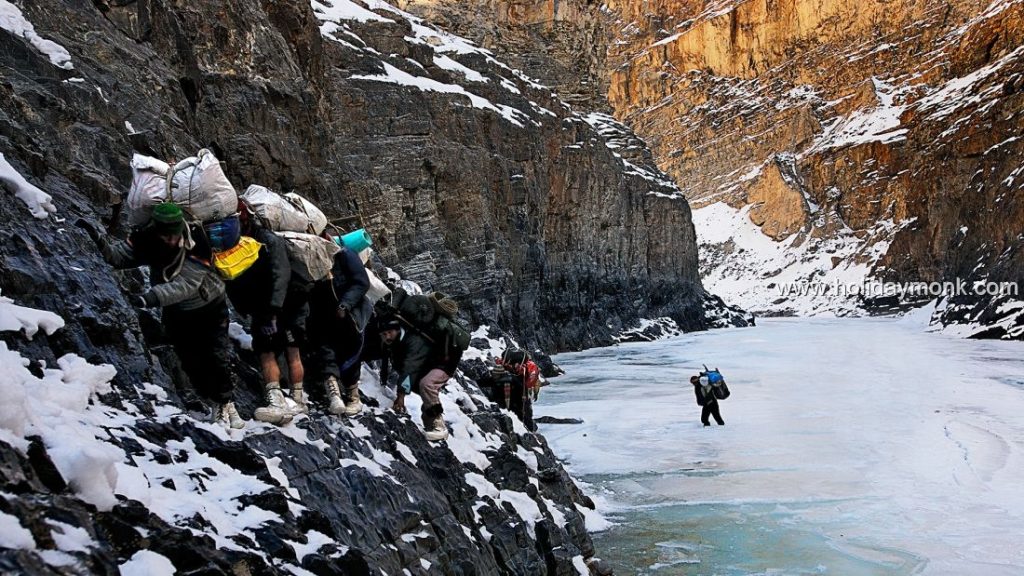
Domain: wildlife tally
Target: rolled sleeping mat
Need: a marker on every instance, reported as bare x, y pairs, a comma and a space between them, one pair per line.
357, 241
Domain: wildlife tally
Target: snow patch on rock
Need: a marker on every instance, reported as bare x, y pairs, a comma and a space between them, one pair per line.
13, 20
39, 203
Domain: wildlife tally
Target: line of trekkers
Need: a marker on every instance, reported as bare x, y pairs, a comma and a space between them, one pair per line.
308, 295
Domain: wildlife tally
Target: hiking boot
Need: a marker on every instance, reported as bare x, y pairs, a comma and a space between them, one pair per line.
337, 406
437, 430
433, 424
276, 411
227, 416
353, 405
301, 402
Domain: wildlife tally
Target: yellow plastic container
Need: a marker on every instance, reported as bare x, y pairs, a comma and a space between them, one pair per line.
233, 262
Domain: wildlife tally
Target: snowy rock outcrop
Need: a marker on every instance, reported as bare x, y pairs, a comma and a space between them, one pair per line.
102, 471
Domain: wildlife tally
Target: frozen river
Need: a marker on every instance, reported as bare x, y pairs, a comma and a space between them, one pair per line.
851, 446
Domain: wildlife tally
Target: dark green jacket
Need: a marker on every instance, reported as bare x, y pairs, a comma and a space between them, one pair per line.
411, 357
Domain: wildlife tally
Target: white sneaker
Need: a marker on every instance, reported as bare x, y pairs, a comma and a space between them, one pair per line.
353, 405
228, 416
276, 411
337, 406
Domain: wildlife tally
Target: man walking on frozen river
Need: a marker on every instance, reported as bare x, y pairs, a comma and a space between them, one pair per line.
709, 387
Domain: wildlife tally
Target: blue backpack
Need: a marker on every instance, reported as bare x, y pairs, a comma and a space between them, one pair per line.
717, 381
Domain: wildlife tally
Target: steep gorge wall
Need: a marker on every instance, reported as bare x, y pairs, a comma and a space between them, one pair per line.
472, 178
893, 126
819, 141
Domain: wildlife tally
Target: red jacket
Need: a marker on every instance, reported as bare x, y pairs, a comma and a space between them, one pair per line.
528, 371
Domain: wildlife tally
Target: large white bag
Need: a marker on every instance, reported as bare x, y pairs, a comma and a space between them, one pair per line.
311, 257
317, 219
200, 186
149, 188
284, 213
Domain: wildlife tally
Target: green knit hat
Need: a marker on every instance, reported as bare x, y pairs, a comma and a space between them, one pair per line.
168, 218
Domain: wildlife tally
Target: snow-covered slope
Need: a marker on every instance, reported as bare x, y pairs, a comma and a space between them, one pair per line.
83, 454
802, 274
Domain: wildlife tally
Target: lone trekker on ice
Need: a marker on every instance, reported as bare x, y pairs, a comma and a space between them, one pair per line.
709, 387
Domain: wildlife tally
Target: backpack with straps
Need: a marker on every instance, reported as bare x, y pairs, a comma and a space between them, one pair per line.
456, 336
717, 382
311, 257
433, 316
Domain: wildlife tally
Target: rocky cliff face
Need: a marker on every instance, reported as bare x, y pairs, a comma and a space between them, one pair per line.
850, 133
870, 140
822, 143
563, 44
473, 179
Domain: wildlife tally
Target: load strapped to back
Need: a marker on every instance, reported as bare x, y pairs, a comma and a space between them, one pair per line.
716, 382
284, 212
433, 315
197, 184
300, 223
311, 257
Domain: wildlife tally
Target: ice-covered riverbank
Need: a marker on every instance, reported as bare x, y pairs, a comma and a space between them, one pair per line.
851, 446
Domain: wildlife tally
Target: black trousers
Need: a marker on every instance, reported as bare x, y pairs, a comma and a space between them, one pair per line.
200, 339
521, 404
519, 400
335, 344
711, 409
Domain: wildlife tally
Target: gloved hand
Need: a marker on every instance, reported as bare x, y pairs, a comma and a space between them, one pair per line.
269, 328
147, 300
89, 229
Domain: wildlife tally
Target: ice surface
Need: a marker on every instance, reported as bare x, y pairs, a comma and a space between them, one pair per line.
851, 446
